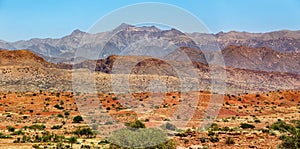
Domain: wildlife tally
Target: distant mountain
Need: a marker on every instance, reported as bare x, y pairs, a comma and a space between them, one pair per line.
264, 59
273, 51
282, 41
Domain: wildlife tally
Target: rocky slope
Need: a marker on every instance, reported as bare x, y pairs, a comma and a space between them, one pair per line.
22, 70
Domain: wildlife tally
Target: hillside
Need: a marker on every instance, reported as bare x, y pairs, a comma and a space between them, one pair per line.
19, 68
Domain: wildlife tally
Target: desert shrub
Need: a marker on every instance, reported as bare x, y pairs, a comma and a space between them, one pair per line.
151, 138
67, 113
229, 141
136, 124
84, 131
60, 116
56, 127
56, 106
4, 136
35, 146
245, 126
58, 138
182, 134
108, 123
10, 128
77, 119
103, 142
214, 139
211, 133
85, 146
37, 127
170, 126
25, 139
281, 126
290, 142
19, 132
257, 121
59, 145
72, 140
225, 120
226, 128
265, 130
214, 127
203, 139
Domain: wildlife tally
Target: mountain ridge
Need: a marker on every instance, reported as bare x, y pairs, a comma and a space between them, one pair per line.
56, 47
148, 40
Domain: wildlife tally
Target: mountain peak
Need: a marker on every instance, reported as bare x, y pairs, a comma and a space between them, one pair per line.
77, 32
122, 27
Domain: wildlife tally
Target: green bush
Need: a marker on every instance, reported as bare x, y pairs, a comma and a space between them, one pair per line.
60, 116
10, 128
37, 127
151, 138
56, 127
290, 142
245, 126
84, 131
203, 139
19, 132
214, 127
214, 139
4, 136
58, 107
72, 140
67, 113
281, 126
77, 119
103, 142
136, 124
257, 121
170, 126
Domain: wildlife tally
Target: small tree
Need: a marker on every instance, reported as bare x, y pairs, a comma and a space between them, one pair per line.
77, 119
72, 140
10, 128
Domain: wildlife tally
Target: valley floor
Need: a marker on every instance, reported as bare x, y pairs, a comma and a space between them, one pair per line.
27, 118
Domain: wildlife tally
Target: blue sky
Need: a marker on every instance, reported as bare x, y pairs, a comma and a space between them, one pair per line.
25, 19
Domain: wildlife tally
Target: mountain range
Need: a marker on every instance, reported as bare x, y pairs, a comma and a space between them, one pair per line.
273, 51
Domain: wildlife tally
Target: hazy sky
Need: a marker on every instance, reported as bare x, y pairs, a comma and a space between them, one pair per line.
25, 19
